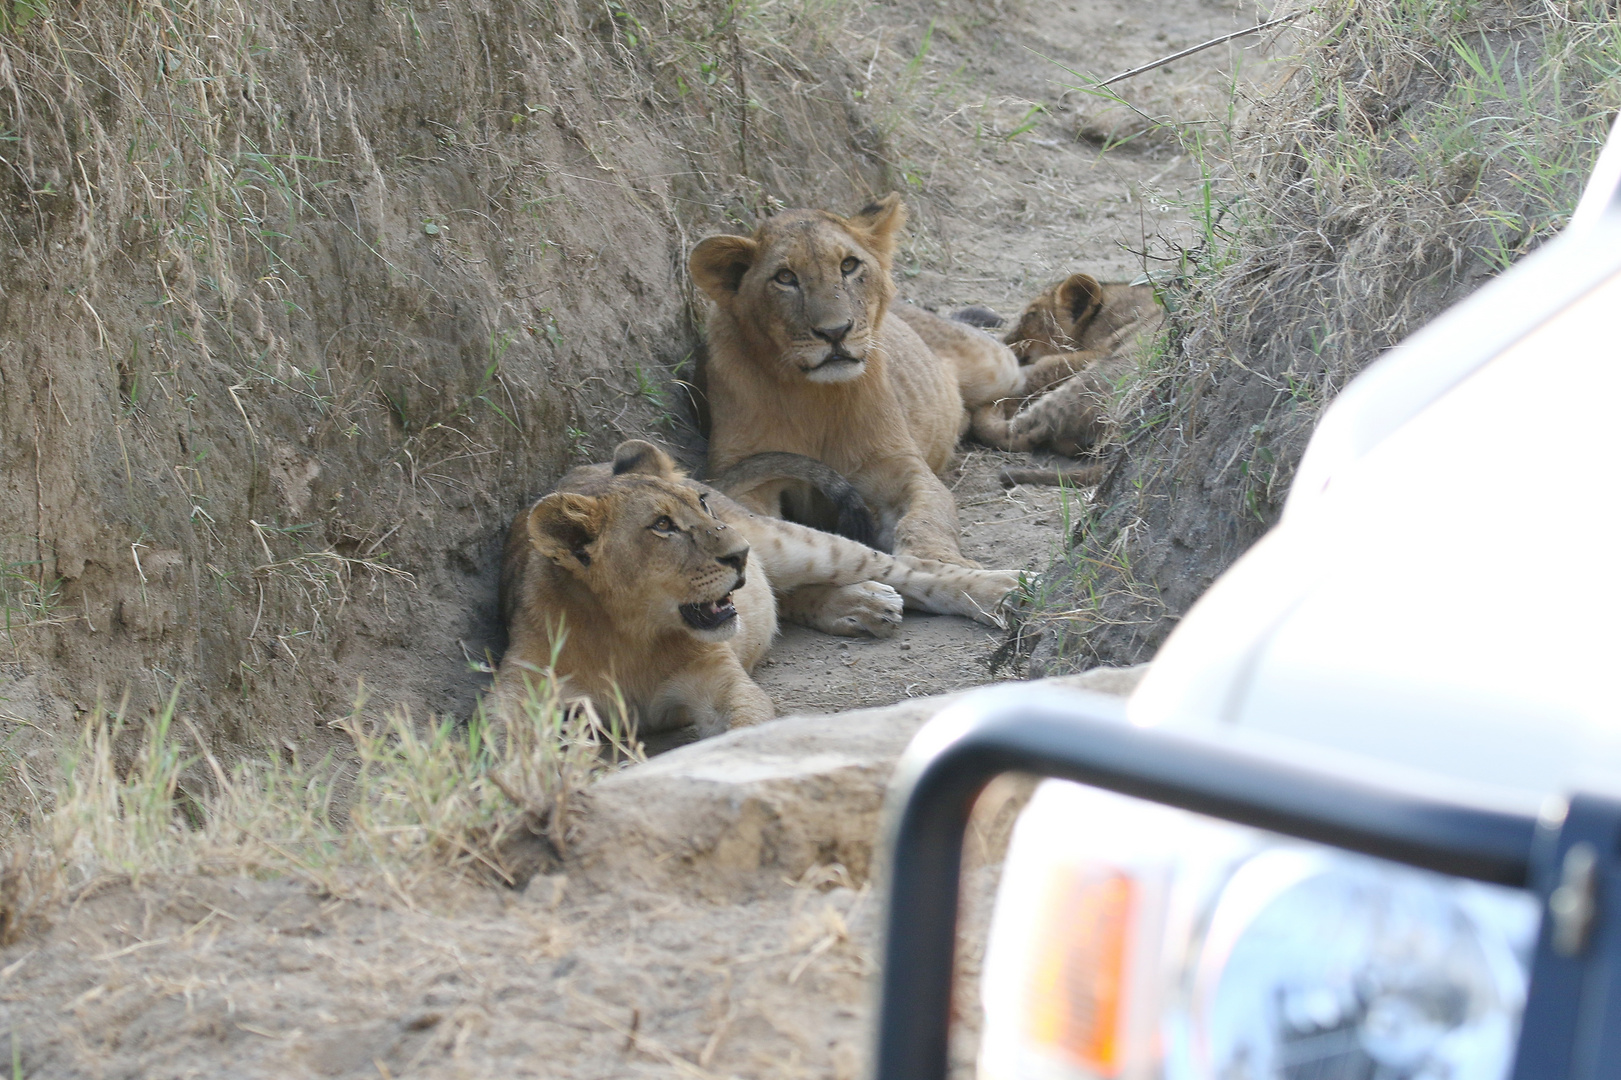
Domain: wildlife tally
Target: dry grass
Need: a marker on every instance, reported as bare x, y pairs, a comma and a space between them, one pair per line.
1412, 149
1417, 148
411, 803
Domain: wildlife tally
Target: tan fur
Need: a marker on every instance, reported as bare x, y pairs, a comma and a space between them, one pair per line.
978, 359
1076, 323
1081, 338
1069, 419
598, 570
806, 356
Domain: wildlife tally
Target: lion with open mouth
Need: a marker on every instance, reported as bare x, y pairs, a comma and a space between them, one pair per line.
657, 590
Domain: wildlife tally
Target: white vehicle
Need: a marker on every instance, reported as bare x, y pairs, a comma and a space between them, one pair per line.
1421, 662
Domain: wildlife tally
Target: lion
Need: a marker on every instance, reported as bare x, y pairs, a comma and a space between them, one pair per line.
637, 584
809, 354
1077, 322
1079, 339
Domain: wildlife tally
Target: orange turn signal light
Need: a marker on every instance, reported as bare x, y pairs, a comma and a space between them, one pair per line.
1078, 972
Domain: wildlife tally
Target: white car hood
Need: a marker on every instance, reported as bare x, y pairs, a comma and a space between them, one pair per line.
1448, 597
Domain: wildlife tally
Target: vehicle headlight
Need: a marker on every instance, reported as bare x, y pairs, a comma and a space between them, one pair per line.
1133, 940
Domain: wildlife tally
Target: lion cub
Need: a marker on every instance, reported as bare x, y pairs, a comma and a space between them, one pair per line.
1079, 338
658, 588
806, 355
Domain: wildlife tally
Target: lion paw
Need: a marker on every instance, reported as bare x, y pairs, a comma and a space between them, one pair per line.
871, 609
865, 609
991, 592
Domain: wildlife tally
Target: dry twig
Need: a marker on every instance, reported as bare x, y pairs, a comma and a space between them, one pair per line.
1162, 61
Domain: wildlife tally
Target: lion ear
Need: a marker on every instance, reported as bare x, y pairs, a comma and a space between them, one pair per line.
562, 525
640, 456
719, 263
880, 223
1080, 297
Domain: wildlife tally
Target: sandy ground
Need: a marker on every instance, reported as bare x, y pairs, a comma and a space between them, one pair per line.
206, 978
615, 968
1013, 529
214, 977
1006, 217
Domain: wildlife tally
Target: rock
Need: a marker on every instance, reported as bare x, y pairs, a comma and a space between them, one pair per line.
733, 816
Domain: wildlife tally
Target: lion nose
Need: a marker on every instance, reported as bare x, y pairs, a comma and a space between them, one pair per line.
833, 334
736, 560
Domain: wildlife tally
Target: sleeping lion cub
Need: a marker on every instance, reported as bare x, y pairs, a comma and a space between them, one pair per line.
659, 587
1079, 339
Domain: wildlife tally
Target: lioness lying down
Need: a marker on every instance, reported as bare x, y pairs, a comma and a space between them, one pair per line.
806, 355
659, 586
1079, 338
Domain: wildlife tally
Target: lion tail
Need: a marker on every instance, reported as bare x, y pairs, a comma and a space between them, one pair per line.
855, 518
1076, 476
980, 316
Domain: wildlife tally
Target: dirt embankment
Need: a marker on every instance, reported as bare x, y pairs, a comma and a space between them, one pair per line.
299, 307
299, 304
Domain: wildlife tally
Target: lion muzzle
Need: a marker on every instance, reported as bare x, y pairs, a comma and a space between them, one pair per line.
837, 366
710, 614
705, 615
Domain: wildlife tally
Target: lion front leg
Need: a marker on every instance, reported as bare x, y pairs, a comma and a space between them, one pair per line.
927, 528
1053, 369
863, 609
947, 589
713, 697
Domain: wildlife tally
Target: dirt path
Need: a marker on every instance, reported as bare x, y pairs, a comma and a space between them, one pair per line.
1001, 218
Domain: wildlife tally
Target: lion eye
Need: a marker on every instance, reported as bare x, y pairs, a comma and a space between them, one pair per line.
785, 276
703, 501
850, 264
663, 525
